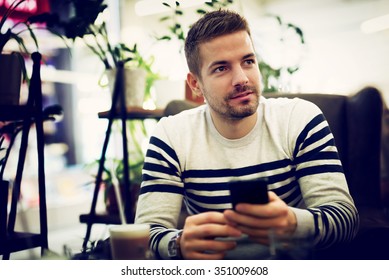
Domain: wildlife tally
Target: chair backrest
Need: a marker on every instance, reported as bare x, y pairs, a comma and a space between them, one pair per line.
355, 122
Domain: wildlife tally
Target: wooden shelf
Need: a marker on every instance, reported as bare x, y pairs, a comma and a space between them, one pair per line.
135, 113
100, 219
18, 241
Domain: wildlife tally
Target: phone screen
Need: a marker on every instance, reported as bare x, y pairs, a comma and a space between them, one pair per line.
250, 191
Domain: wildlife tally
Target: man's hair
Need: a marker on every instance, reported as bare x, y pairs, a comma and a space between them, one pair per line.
211, 25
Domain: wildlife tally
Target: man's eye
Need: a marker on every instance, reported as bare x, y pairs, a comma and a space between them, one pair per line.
219, 69
250, 61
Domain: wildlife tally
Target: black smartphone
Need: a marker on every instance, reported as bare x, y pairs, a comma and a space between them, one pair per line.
250, 191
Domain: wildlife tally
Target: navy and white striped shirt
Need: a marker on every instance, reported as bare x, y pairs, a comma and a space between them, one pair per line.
291, 144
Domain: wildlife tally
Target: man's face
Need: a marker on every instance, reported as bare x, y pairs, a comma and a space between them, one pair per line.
230, 76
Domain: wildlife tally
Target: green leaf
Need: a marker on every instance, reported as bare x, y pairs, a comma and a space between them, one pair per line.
166, 4
166, 37
164, 18
32, 34
127, 60
291, 70
278, 18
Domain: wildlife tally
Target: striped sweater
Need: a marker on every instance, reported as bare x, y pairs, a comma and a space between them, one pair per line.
189, 162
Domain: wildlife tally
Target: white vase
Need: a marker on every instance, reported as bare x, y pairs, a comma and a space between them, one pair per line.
135, 85
10, 78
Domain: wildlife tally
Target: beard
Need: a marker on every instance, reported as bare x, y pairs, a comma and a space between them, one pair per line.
244, 109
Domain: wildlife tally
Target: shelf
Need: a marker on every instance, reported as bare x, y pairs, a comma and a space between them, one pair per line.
18, 241
135, 113
100, 219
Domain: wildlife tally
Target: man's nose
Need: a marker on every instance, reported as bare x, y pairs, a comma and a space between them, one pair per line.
239, 77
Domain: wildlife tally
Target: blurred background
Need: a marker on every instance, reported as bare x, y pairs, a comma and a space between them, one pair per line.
312, 46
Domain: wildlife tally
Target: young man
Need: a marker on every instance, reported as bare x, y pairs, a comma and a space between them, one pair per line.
238, 134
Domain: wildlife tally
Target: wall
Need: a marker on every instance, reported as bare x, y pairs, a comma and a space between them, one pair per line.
337, 56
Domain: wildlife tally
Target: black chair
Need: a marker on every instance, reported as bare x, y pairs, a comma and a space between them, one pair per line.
355, 121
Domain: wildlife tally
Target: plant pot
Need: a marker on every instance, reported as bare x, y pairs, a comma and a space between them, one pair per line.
111, 204
10, 78
135, 85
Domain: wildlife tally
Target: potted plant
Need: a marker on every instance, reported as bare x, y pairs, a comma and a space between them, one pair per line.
86, 23
12, 66
139, 75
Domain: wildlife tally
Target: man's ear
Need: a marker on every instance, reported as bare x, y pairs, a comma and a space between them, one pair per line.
193, 83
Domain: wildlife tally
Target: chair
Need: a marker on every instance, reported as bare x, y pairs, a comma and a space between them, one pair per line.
355, 122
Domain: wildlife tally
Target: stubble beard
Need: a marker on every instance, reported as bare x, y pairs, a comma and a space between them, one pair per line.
241, 111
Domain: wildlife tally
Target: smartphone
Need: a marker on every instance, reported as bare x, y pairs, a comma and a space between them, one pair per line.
250, 191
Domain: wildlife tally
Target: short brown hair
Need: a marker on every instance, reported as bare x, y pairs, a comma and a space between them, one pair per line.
211, 25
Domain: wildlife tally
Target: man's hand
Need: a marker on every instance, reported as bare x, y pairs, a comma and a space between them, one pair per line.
257, 220
198, 237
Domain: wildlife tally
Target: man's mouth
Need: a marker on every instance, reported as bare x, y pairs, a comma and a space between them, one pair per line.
241, 94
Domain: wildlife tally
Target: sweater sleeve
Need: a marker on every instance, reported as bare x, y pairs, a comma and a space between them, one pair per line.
320, 175
161, 194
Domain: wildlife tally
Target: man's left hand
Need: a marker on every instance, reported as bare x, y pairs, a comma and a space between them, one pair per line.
256, 220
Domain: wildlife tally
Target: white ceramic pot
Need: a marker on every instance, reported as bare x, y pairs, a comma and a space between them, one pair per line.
135, 85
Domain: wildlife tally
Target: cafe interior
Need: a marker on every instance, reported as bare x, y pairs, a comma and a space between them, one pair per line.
65, 154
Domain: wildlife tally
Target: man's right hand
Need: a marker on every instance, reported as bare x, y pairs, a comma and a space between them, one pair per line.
198, 237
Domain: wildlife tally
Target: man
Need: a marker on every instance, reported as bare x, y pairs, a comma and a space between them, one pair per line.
239, 134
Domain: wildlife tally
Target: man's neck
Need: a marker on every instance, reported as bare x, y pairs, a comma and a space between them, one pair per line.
234, 128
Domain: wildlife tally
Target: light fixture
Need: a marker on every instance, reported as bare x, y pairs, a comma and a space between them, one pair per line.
375, 24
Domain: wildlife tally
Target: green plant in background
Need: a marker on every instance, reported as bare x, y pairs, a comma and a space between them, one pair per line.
86, 22
271, 76
15, 31
132, 58
114, 167
175, 26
